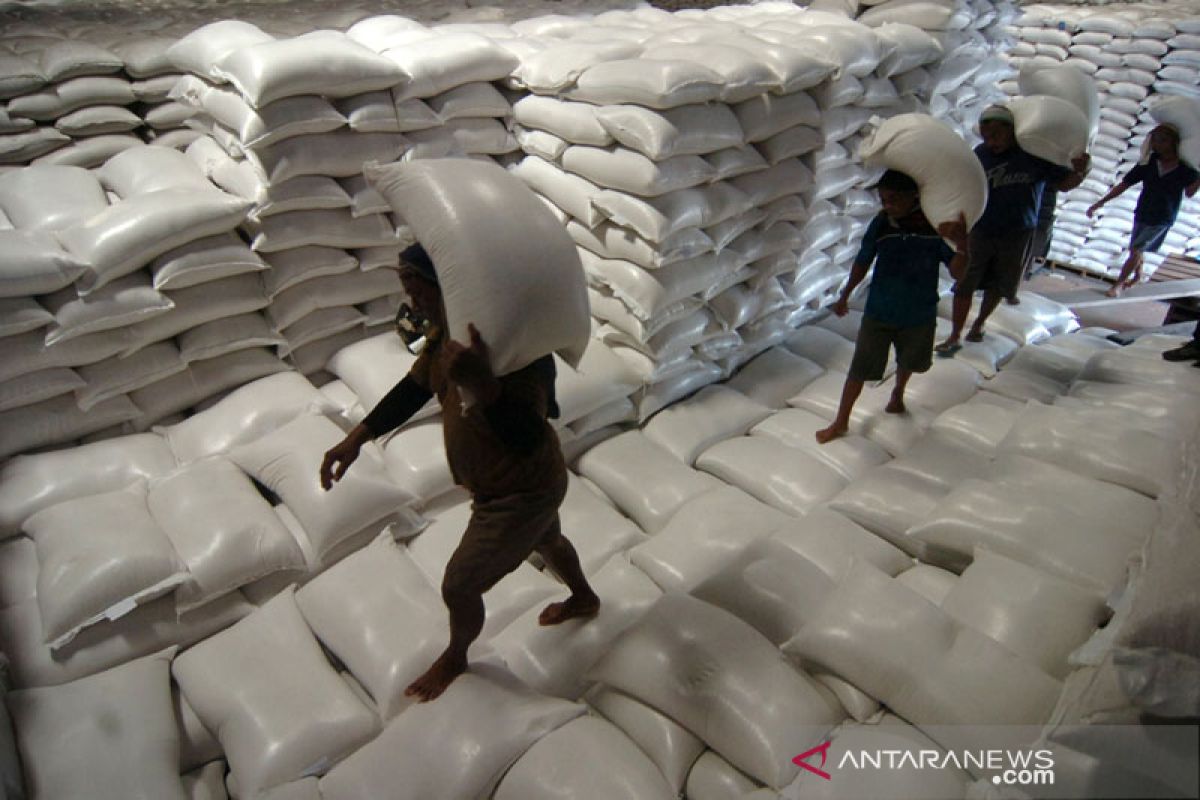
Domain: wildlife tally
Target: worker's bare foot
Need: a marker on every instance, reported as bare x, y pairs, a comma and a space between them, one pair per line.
895, 406
1115, 291
435, 680
574, 606
826, 435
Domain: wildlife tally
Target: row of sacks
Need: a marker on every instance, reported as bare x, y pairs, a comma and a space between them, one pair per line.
691, 517
130, 296
68, 98
706, 221
1144, 64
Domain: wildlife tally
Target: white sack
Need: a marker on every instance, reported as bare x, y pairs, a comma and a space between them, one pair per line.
224, 531
125, 560
493, 718
708, 654
287, 461
616, 769
1050, 128
279, 709
531, 266
949, 176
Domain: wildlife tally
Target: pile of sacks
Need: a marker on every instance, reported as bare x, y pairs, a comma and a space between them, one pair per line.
706, 166
974, 39
857, 583
80, 100
1142, 57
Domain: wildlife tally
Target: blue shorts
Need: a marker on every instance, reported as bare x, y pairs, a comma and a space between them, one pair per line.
1148, 238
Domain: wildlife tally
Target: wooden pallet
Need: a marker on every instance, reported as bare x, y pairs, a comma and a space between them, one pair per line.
1175, 268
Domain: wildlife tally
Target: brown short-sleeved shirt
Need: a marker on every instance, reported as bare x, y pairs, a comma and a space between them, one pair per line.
479, 459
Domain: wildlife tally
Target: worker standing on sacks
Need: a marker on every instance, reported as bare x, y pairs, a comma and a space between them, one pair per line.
1000, 239
485, 280
901, 312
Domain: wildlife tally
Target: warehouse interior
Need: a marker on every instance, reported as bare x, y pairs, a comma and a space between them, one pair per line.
989, 594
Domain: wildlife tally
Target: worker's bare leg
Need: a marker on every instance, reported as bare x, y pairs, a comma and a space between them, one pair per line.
466, 621
896, 401
560, 556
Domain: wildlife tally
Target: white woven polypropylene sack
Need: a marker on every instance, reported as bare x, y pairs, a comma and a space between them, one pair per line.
1091, 442
493, 244
1184, 114
686, 130
126, 560
618, 770
249, 412
492, 716
441, 62
554, 659
322, 62
127, 236
649, 82
651, 493
699, 653
559, 65
950, 177
34, 263
1050, 128
780, 476
932, 669
278, 707
200, 50
50, 197
225, 533
1007, 600
107, 736
283, 461
1067, 83
1089, 547
382, 618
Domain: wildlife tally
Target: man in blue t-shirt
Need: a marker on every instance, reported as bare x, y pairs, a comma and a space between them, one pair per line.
902, 302
1000, 240
1165, 179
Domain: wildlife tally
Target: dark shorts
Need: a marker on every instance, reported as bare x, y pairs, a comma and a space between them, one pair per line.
502, 532
914, 348
1148, 238
1039, 245
997, 264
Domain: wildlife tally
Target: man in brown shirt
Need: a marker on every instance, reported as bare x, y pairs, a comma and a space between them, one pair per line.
502, 449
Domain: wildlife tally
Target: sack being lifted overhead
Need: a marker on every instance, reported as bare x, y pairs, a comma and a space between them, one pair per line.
1066, 83
504, 262
950, 178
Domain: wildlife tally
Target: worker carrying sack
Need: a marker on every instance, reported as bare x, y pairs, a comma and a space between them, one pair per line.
504, 262
1066, 83
950, 178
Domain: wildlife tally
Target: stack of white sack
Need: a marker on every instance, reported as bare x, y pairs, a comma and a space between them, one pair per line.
80, 90
275, 135
704, 166
973, 36
292, 134
132, 298
67, 97
1139, 56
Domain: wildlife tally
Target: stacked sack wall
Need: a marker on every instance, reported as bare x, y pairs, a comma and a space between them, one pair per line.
1138, 54
712, 219
861, 561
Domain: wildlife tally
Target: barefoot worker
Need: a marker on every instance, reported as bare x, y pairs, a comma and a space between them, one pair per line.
501, 449
902, 302
1001, 237
1165, 179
